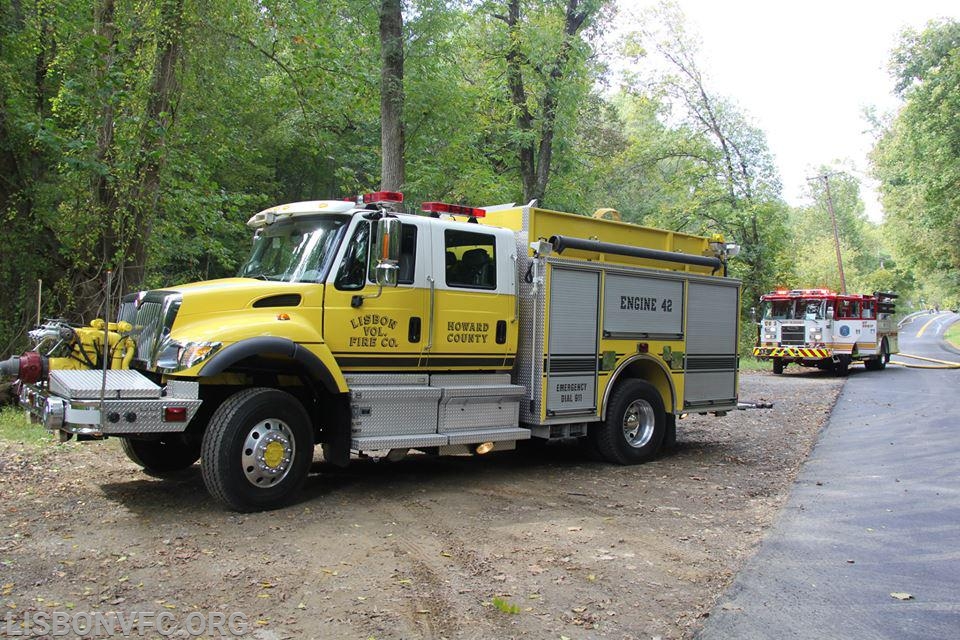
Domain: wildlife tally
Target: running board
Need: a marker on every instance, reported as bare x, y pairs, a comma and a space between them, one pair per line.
421, 440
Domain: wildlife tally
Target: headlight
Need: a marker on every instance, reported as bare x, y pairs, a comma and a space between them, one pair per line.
176, 356
769, 335
193, 353
816, 336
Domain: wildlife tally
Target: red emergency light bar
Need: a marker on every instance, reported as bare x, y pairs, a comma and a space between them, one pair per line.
796, 293
382, 196
453, 209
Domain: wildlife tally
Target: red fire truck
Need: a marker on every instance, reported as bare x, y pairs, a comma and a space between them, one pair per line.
824, 329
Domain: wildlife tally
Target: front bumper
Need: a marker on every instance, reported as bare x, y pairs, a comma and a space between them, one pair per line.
125, 403
800, 353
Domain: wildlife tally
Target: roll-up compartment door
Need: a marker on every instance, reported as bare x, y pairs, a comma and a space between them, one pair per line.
572, 344
711, 332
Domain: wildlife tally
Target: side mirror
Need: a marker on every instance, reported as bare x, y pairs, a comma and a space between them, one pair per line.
753, 314
388, 251
829, 313
387, 247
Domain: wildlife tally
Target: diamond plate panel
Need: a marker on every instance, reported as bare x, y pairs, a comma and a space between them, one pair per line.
132, 416
413, 441
387, 379
489, 435
529, 364
492, 391
470, 379
394, 411
86, 384
471, 413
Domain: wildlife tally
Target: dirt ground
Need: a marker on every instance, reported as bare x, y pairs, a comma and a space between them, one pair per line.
532, 544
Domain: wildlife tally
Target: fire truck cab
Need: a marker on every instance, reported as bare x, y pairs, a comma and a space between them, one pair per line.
824, 329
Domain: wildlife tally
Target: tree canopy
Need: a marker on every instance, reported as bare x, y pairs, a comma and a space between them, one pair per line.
917, 159
139, 137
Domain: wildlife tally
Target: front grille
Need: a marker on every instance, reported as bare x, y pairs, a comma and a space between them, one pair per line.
151, 321
792, 335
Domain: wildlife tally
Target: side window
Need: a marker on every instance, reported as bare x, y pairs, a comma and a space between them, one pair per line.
408, 255
471, 259
353, 268
846, 310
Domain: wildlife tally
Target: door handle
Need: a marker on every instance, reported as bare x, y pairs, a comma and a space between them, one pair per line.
433, 293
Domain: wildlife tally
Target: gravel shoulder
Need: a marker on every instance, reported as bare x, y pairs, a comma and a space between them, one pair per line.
542, 543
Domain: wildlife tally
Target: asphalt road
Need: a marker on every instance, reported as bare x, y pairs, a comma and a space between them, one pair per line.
874, 512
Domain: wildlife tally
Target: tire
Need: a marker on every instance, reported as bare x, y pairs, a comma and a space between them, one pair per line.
841, 367
880, 362
257, 450
159, 457
777, 366
635, 424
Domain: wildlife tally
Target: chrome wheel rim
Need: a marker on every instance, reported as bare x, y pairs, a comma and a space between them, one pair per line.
268, 452
639, 422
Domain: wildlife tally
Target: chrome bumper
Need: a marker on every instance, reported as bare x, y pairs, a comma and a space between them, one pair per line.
131, 404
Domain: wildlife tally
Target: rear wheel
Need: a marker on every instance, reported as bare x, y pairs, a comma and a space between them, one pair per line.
169, 453
635, 424
257, 450
880, 362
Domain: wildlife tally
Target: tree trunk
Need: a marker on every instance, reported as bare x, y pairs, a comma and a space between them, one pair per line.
158, 118
393, 170
103, 193
535, 153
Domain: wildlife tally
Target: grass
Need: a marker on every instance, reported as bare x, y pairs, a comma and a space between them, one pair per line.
953, 334
749, 363
506, 607
15, 427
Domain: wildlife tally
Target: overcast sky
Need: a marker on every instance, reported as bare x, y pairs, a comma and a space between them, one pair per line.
805, 71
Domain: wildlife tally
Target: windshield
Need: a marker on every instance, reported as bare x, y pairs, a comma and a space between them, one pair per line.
298, 250
797, 309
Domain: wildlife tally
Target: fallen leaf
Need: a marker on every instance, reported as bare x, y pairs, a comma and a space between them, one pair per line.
899, 595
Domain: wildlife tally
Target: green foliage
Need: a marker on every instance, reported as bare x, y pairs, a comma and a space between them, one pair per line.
141, 136
917, 159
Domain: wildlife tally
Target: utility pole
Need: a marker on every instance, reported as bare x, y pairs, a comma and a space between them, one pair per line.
836, 234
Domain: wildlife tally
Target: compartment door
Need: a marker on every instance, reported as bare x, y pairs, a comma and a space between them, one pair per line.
571, 367
711, 363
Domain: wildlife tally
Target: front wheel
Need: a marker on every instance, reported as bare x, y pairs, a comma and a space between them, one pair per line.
841, 366
257, 450
635, 424
777, 366
169, 453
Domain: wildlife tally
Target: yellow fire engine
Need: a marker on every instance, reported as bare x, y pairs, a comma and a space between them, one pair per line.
362, 329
